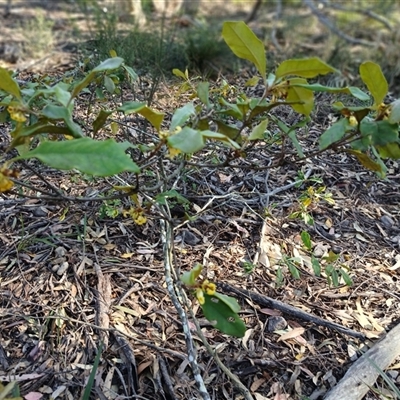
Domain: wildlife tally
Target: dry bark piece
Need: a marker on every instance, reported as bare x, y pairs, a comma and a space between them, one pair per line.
363, 373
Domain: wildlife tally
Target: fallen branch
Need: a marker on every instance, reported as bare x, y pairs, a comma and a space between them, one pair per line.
293, 311
364, 372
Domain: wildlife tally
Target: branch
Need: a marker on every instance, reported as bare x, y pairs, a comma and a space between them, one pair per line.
168, 240
293, 311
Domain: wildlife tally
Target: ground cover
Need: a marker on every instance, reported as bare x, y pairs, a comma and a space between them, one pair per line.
72, 275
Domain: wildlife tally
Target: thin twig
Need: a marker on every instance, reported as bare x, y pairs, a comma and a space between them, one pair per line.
168, 240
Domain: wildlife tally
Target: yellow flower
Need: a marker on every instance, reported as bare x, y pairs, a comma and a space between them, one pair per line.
136, 214
5, 183
200, 296
173, 152
16, 114
353, 120
208, 287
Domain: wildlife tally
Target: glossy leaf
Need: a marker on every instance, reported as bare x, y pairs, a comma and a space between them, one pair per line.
304, 68
245, 44
101, 158
222, 317
372, 76
229, 301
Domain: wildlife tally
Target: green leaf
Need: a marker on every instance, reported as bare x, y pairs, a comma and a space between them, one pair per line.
54, 112
391, 150
109, 84
101, 119
154, 117
304, 68
365, 160
298, 94
334, 133
188, 278
162, 197
222, 317
352, 90
181, 115
62, 95
346, 277
394, 116
292, 136
109, 64
229, 301
203, 93
229, 131
245, 44
101, 158
188, 140
306, 239
258, 131
232, 109
177, 72
372, 76
380, 132
207, 134
316, 266
293, 270
93, 373
20, 134
131, 73
8, 84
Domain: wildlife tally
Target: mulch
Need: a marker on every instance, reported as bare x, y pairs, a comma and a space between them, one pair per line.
74, 281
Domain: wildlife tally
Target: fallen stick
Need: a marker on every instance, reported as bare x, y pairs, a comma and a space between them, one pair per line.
293, 311
362, 375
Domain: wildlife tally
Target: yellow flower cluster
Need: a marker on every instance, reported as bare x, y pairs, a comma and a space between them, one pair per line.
5, 183
16, 114
207, 287
136, 214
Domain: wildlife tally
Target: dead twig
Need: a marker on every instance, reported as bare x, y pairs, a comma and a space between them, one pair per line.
293, 311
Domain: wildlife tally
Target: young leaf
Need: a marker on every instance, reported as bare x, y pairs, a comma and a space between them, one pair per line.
305, 68
347, 280
394, 116
203, 93
306, 239
222, 317
154, 117
8, 84
187, 140
259, 130
372, 76
181, 115
109, 64
316, 266
101, 158
245, 44
188, 278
